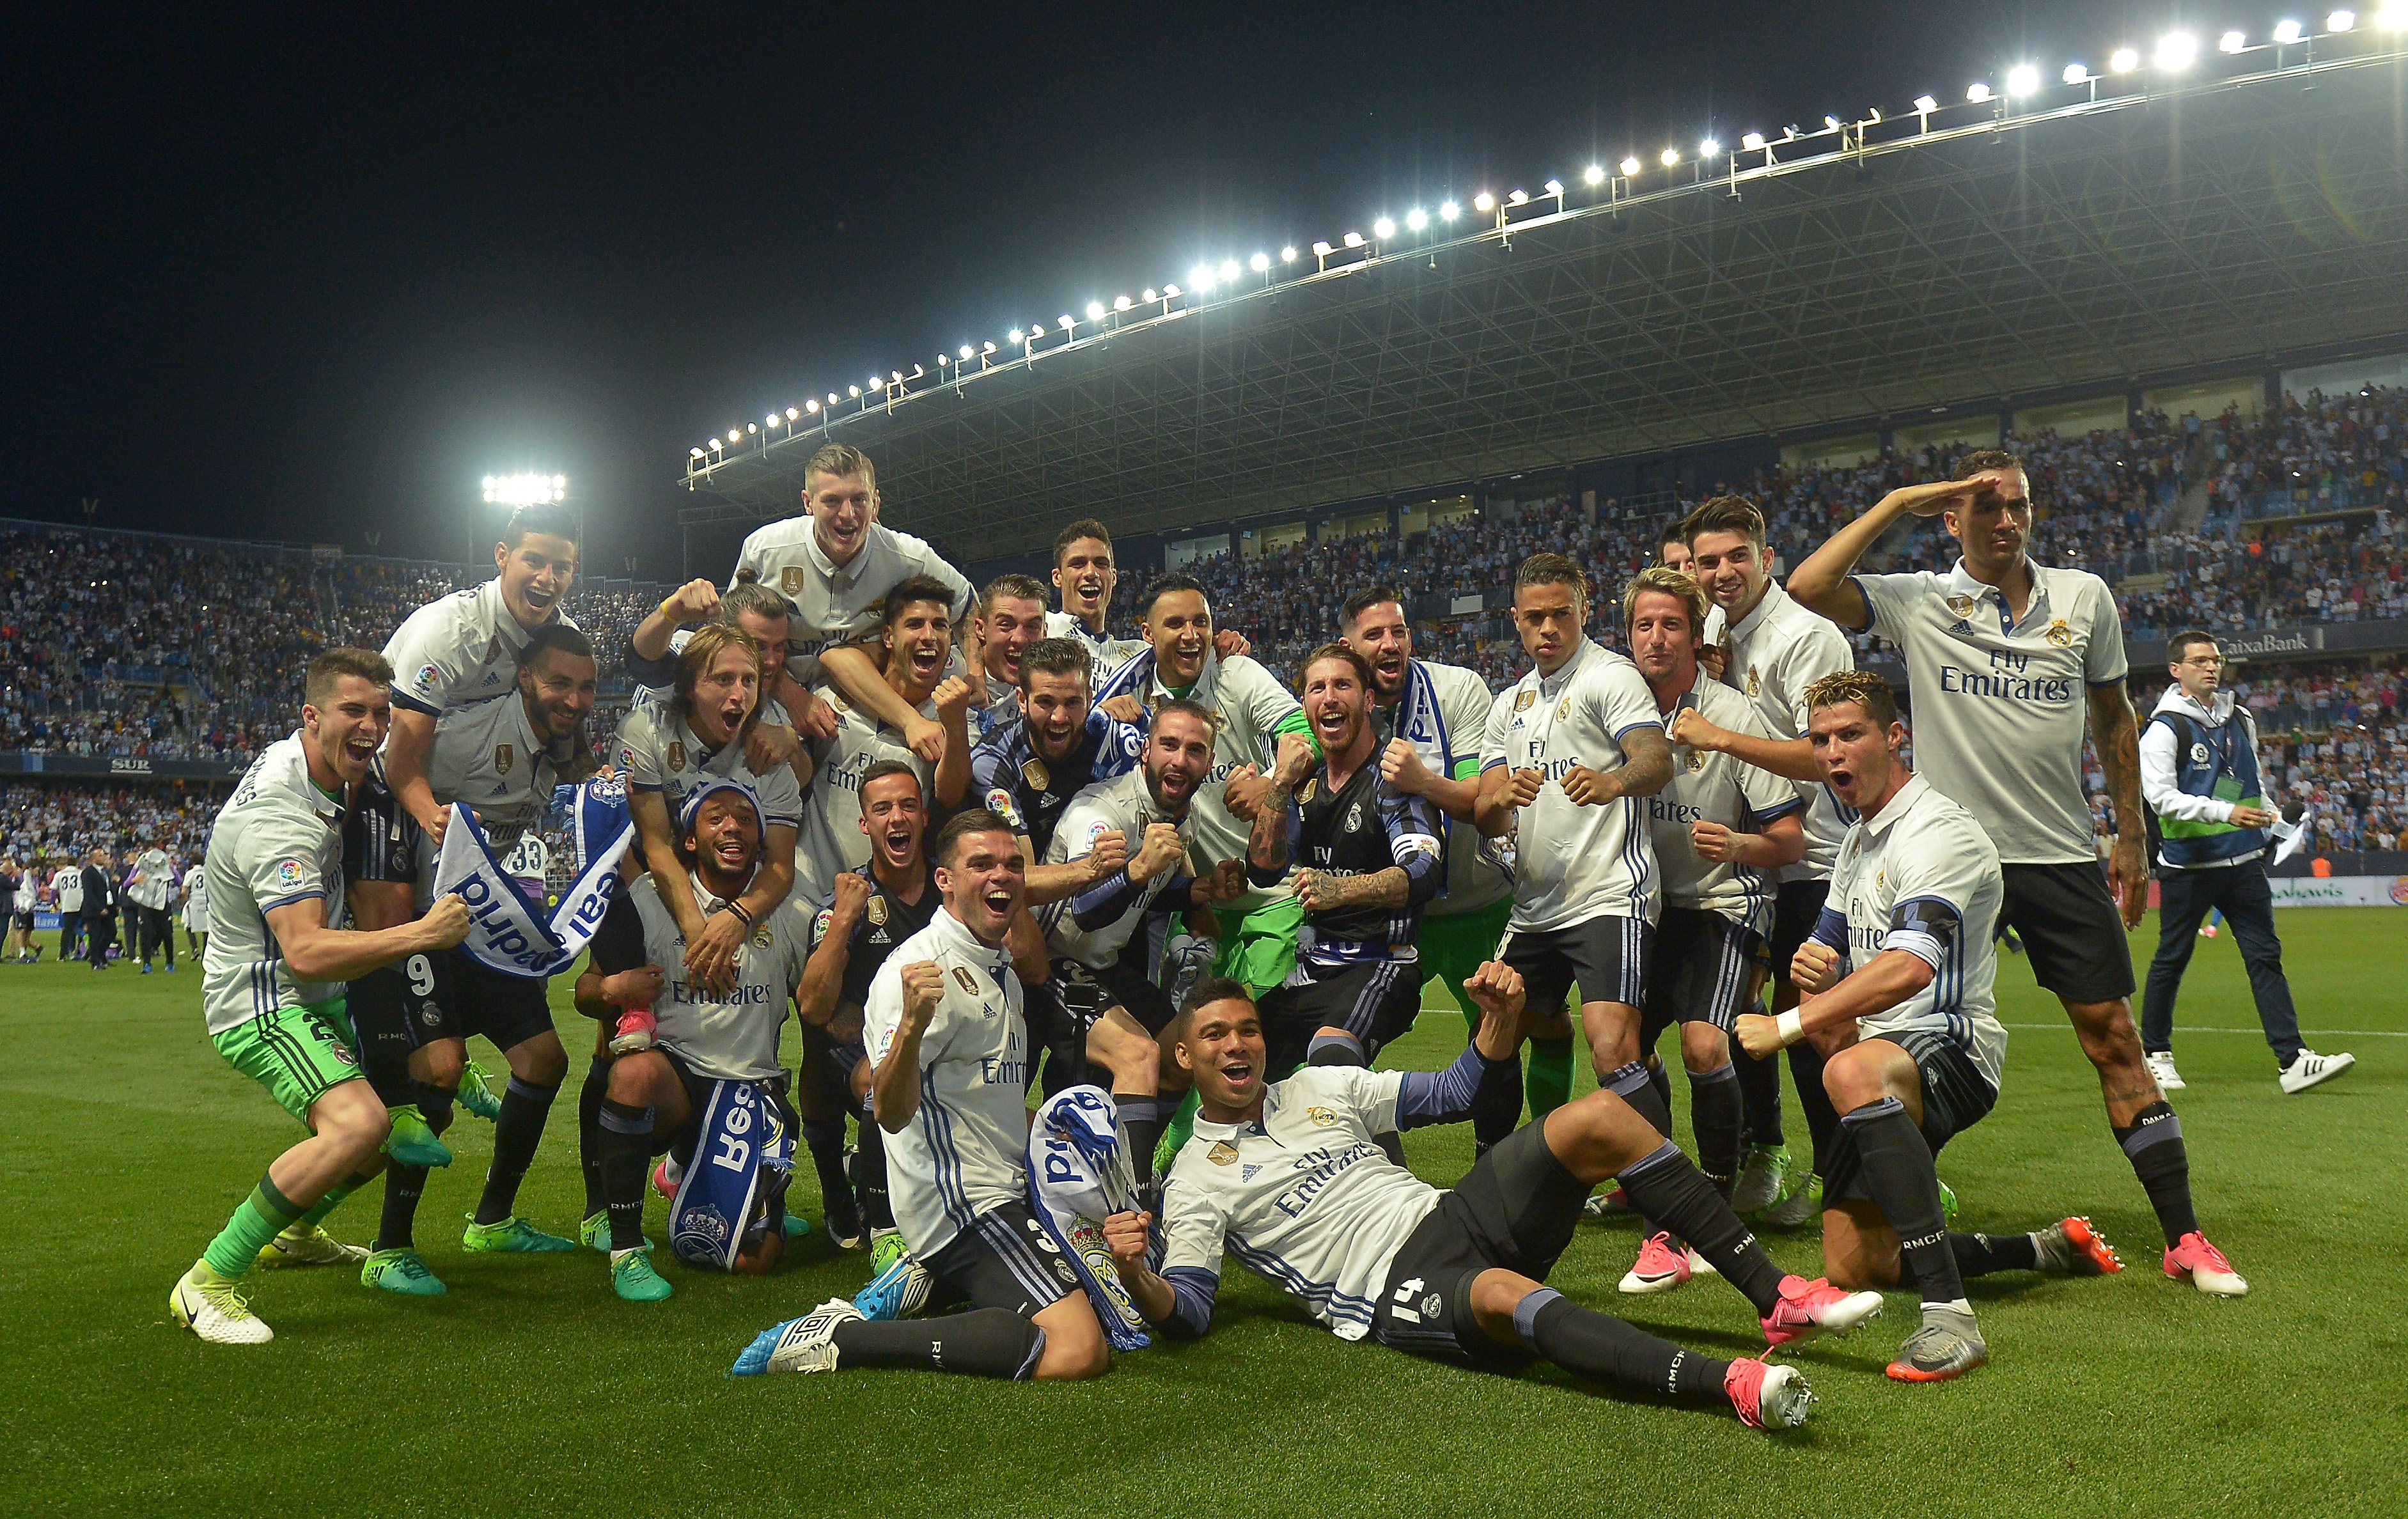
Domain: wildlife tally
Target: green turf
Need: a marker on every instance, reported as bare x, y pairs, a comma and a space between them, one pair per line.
124, 1140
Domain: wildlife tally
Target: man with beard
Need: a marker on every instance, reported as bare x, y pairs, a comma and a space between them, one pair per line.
649, 660
1367, 857
918, 646
464, 649
837, 563
1720, 829
871, 910
1010, 617
1896, 984
1777, 649
1099, 1002
1027, 770
2006, 660
502, 759
656, 1095
271, 982
951, 1090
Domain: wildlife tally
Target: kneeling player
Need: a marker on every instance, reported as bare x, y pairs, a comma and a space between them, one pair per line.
656, 1098
945, 1026
1897, 989
1285, 1175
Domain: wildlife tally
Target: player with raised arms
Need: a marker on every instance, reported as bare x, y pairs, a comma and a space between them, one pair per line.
279, 949
2005, 659
1896, 984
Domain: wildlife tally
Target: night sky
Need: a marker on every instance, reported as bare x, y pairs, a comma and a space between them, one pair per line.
311, 275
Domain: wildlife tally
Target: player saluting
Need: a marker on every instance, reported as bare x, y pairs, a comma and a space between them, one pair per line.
1896, 984
1284, 1176
944, 1025
2004, 659
277, 953
1568, 751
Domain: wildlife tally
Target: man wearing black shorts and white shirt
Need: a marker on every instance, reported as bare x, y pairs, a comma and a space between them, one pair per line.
1366, 859
1720, 828
2004, 659
1573, 750
1777, 649
1285, 1176
1896, 984
951, 1090
655, 1095
1099, 1003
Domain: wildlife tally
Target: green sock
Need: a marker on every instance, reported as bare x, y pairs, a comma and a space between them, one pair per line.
1549, 1081
334, 1196
261, 1217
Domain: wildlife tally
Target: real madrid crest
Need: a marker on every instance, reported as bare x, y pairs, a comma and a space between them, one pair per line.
677, 755
504, 756
761, 936
1960, 605
1564, 708
876, 911
1754, 686
1322, 1117
1697, 761
2058, 635
1033, 771
1355, 817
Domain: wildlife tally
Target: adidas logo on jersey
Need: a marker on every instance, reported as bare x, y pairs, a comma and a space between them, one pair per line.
1963, 629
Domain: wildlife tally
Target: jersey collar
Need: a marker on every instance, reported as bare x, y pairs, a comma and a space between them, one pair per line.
710, 903
1549, 684
850, 570
955, 935
1879, 823
1960, 582
1761, 613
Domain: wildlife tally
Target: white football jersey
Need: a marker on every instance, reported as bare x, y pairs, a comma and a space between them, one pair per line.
1252, 704
279, 839
67, 888
153, 881
1777, 650
736, 1037
1124, 803
1303, 1198
1921, 860
657, 748
1574, 863
1110, 654
196, 899
965, 1153
840, 604
2000, 704
831, 841
1717, 788
460, 649
490, 758
1473, 878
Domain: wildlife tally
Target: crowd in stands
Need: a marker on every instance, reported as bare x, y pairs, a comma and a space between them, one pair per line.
55, 822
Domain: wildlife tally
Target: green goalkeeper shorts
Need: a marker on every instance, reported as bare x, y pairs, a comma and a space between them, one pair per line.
1259, 947
1452, 947
298, 1054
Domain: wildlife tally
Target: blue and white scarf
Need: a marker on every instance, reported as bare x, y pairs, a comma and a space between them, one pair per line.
1136, 678
1079, 1175
743, 1157
507, 932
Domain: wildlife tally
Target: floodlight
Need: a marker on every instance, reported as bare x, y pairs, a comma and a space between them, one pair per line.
2392, 16
1519, 198
1170, 293
2289, 31
2023, 80
2124, 61
1095, 310
1753, 142
942, 360
697, 452
1228, 271
1200, 276
811, 407
1594, 174
1977, 93
969, 351
2341, 21
1831, 123
853, 391
1287, 254
1015, 336
1448, 210
1353, 239
1321, 250
2176, 51
832, 396
1709, 149
2076, 74
769, 421
1555, 188
750, 428
1383, 229
1416, 219
1668, 157
792, 414
714, 443
1483, 202
1260, 263
1120, 303
986, 348
1066, 322
1924, 105
1629, 166
897, 376
1149, 296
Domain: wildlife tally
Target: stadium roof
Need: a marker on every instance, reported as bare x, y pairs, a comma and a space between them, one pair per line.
1877, 270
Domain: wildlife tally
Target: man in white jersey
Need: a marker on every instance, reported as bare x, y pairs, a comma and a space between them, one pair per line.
1672, 553
943, 1022
67, 894
1011, 616
1896, 984
502, 759
918, 633
1570, 753
656, 1095
271, 983
1097, 1007
1721, 830
1777, 649
1257, 930
1284, 1176
149, 886
2004, 661
649, 660
1085, 575
464, 648
836, 563
196, 909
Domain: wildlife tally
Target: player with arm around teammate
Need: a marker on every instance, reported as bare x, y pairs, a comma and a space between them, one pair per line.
272, 980
1896, 985
1284, 1176
649, 660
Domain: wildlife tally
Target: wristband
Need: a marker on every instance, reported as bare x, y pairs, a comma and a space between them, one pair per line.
741, 916
1792, 1025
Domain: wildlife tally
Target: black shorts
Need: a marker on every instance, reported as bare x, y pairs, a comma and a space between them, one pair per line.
470, 998
1515, 1209
381, 841
1005, 1259
1605, 956
1956, 1096
1374, 1002
1061, 1009
24, 920
1796, 909
1701, 965
698, 1096
2071, 929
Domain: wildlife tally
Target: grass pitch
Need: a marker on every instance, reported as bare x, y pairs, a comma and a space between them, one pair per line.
530, 1389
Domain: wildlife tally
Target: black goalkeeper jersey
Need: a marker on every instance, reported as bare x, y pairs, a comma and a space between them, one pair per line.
1361, 829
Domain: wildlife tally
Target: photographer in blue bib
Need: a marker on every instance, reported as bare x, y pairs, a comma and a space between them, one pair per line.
2199, 775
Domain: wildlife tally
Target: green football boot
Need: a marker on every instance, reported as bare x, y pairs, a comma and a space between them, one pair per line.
511, 1236
412, 1143
632, 1277
477, 1093
401, 1271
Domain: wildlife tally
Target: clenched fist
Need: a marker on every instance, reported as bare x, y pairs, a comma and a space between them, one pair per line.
1815, 968
924, 988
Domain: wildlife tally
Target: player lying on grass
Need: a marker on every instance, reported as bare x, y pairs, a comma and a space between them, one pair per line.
945, 1026
1894, 986
272, 979
658, 1095
1286, 1177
